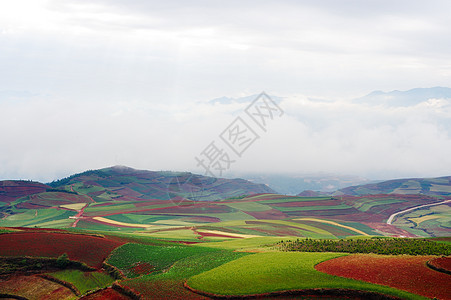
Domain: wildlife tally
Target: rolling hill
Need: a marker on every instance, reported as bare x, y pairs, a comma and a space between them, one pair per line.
440, 186
128, 184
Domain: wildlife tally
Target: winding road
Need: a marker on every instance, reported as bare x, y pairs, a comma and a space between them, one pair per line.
390, 219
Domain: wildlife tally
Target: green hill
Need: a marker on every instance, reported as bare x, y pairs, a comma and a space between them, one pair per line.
440, 186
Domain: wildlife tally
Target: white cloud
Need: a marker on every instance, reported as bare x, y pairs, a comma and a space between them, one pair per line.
95, 83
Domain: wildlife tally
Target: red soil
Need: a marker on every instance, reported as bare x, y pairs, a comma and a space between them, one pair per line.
443, 263
91, 250
307, 203
197, 208
201, 219
272, 214
11, 190
149, 203
142, 268
408, 273
125, 191
28, 205
390, 229
108, 293
163, 289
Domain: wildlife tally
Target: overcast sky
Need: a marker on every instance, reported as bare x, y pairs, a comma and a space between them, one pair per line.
90, 84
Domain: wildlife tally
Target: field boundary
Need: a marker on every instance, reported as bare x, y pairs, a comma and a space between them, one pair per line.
69, 285
304, 292
2, 295
430, 265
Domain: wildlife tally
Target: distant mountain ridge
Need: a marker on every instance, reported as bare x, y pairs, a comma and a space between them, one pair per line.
439, 186
405, 98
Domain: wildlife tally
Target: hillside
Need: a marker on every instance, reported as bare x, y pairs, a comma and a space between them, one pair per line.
440, 186
128, 184
11, 190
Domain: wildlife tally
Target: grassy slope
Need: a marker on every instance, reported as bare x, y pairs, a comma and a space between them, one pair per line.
275, 271
84, 281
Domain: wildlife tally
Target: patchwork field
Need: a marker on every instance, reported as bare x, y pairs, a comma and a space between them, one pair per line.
120, 233
91, 250
155, 268
408, 273
272, 272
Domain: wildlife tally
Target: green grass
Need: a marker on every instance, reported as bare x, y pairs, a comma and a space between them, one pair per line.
160, 257
249, 206
367, 205
261, 243
194, 265
84, 281
29, 217
110, 208
275, 271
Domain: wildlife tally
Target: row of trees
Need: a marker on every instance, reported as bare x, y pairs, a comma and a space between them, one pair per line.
387, 246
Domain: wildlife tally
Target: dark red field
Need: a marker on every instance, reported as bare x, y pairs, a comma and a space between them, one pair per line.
308, 203
163, 289
11, 190
441, 263
272, 214
91, 250
408, 273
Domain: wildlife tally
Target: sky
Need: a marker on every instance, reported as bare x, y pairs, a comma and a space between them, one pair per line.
91, 84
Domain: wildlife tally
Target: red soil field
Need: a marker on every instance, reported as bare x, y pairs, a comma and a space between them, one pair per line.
272, 214
98, 193
163, 289
347, 212
108, 293
142, 268
11, 190
198, 208
408, 273
148, 203
34, 287
28, 205
201, 219
307, 203
443, 263
91, 250
125, 191
391, 229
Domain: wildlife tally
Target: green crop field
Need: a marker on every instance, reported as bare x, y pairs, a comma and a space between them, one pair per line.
84, 281
158, 257
36, 217
275, 271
